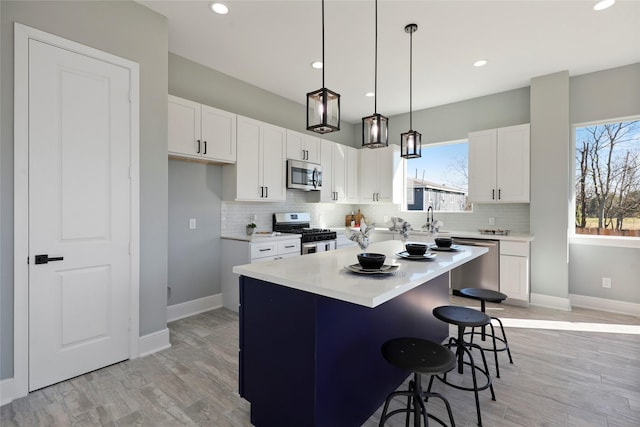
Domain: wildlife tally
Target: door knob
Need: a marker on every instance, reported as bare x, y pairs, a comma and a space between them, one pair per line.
44, 259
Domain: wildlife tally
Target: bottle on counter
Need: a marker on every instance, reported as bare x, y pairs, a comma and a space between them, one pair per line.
353, 219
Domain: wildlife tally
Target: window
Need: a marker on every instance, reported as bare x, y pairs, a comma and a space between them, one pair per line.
608, 179
439, 178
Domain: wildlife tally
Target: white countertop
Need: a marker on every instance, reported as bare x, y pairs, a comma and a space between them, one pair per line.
259, 238
515, 237
324, 273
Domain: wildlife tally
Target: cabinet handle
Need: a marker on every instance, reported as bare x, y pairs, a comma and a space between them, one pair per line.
290, 246
499, 193
266, 192
303, 156
493, 194
205, 147
198, 152
261, 191
264, 250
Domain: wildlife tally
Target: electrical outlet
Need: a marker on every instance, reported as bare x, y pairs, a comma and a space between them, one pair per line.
606, 282
492, 221
192, 224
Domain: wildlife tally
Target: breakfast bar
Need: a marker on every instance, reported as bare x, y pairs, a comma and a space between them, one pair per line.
311, 331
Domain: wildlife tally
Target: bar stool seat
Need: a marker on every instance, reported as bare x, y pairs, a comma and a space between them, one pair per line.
422, 357
484, 295
464, 317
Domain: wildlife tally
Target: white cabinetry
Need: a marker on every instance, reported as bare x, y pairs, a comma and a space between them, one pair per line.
381, 175
197, 131
238, 252
514, 270
339, 173
499, 165
259, 173
303, 147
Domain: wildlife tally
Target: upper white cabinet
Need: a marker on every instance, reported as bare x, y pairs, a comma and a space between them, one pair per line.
499, 165
259, 173
201, 132
381, 175
303, 147
339, 173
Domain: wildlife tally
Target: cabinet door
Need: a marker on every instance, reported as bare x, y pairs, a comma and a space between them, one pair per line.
514, 277
183, 127
352, 176
218, 134
326, 160
389, 175
339, 172
512, 180
273, 171
368, 174
482, 166
248, 160
303, 147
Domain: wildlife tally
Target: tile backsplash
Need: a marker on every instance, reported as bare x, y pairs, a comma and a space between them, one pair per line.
235, 215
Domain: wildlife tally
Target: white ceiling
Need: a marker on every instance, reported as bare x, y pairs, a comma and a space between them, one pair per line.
271, 44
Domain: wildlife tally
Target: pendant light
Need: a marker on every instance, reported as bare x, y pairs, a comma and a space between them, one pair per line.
323, 105
411, 141
375, 127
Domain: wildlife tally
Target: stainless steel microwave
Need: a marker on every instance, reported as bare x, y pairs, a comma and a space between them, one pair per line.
304, 175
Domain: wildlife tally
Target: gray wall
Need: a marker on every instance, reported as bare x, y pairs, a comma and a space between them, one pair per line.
190, 80
550, 181
132, 31
195, 191
454, 121
605, 95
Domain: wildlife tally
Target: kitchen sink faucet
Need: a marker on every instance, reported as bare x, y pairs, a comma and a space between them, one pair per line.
430, 226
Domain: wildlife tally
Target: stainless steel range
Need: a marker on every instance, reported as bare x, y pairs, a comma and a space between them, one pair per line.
313, 239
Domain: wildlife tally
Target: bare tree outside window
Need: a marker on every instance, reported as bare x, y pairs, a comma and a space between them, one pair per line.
608, 179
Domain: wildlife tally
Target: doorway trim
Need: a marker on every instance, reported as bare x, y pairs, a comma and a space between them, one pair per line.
22, 35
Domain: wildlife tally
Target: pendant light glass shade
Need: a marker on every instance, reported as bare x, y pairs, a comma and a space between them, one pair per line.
375, 131
375, 127
323, 105
323, 111
411, 145
411, 141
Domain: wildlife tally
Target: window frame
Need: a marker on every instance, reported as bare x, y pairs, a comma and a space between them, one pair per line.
404, 208
586, 239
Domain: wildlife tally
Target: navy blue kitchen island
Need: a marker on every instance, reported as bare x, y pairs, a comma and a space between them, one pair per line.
310, 349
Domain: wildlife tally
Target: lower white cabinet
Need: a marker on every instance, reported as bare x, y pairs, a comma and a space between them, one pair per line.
239, 252
514, 270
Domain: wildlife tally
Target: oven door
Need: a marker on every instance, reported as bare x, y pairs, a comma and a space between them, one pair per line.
321, 246
304, 176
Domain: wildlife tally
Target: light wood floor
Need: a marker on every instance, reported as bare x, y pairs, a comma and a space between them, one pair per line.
560, 377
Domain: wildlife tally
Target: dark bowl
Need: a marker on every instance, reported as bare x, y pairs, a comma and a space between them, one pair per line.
416, 248
371, 261
443, 242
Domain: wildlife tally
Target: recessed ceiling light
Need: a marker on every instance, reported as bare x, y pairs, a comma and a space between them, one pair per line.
219, 8
480, 63
369, 94
317, 64
603, 4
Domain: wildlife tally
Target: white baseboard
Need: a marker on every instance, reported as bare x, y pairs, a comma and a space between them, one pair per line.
551, 302
196, 306
603, 304
7, 391
154, 342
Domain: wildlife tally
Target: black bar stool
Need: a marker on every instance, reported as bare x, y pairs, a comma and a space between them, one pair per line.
420, 357
485, 295
465, 317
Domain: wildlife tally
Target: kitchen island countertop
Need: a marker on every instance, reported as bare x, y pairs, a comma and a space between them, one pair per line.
324, 273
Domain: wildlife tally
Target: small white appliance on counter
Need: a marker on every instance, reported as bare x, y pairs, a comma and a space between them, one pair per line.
312, 240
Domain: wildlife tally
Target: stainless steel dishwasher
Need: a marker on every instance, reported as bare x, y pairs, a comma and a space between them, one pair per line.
482, 272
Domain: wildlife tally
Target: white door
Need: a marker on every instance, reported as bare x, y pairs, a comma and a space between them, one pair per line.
79, 211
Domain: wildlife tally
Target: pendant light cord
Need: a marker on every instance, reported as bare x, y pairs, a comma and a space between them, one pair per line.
411, 80
323, 44
375, 74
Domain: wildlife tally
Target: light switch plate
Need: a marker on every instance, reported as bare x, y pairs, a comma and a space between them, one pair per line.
192, 224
